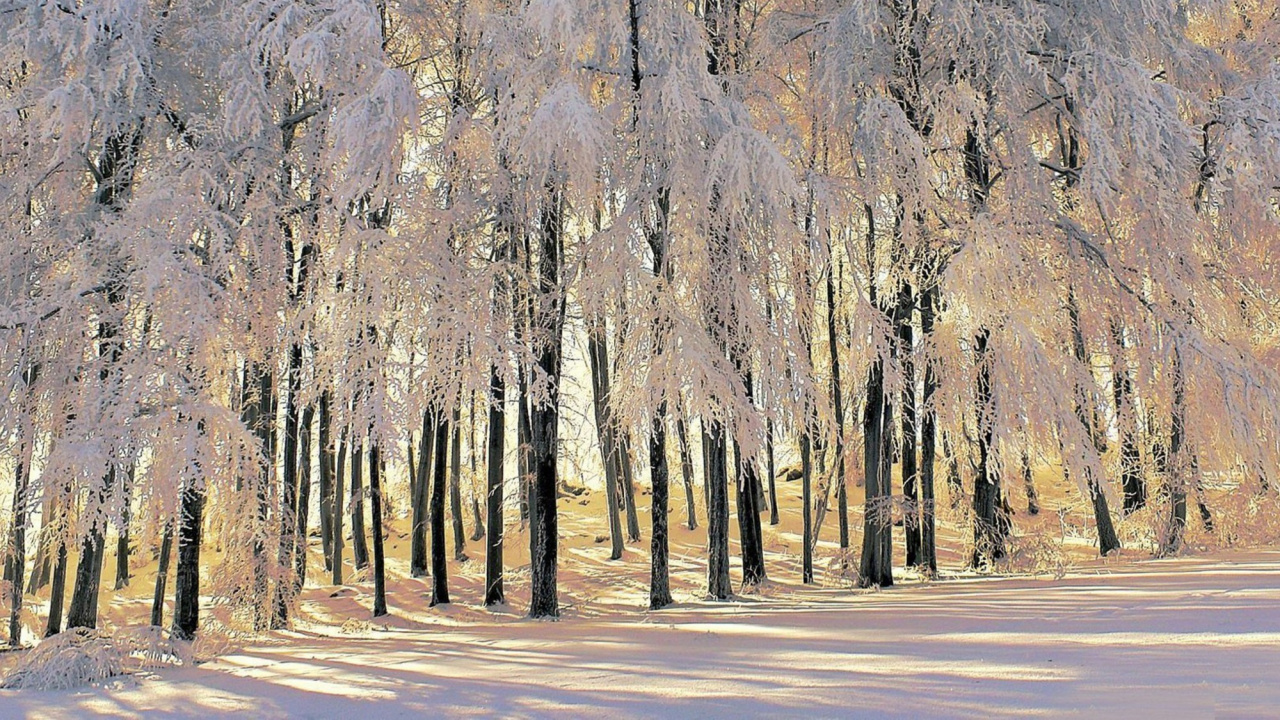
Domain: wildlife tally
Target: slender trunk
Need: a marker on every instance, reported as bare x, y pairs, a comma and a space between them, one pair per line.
339, 507
988, 538
1131, 481
42, 566
598, 357
288, 490
627, 476
910, 471
928, 433
162, 576
544, 419
837, 402
806, 495
771, 470
1033, 500
1108, 541
524, 439
418, 531
455, 488
439, 566
186, 587
1175, 467
375, 510
57, 589
83, 611
304, 497
877, 517
326, 482
359, 544
659, 575
493, 587
749, 531
122, 538
477, 530
15, 565
717, 512
686, 472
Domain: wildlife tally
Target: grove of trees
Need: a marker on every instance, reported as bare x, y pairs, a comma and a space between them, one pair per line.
278, 265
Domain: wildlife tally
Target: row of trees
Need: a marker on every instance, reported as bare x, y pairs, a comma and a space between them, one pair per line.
240, 238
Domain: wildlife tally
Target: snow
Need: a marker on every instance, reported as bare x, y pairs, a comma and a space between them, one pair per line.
1185, 637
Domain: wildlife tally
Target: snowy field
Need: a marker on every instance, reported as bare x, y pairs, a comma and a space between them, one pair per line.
1189, 637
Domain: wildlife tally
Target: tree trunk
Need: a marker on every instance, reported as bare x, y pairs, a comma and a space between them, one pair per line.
988, 535
598, 357
493, 587
659, 575
1174, 471
288, 490
439, 566
686, 473
837, 402
627, 476
910, 471
771, 470
420, 491
326, 482
874, 568
186, 587
304, 498
544, 418
455, 488
749, 531
83, 611
806, 492
57, 589
477, 530
359, 546
375, 509
1033, 500
718, 586
524, 439
16, 561
1133, 485
162, 576
928, 434
339, 507
1108, 541
122, 538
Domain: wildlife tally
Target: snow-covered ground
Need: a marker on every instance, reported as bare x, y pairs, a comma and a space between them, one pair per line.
1189, 637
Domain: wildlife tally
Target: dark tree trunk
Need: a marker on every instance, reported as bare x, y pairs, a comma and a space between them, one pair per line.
162, 576
686, 473
544, 419
455, 488
493, 587
928, 434
718, 586
477, 530
1132, 483
771, 470
988, 535
524, 439
57, 589
186, 587
806, 494
420, 491
288, 489
837, 402
910, 472
42, 566
16, 560
439, 565
261, 418
598, 357
749, 530
375, 510
1108, 541
659, 575
627, 476
83, 611
122, 539
875, 568
1174, 470
359, 546
1033, 500
339, 507
326, 482
304, 498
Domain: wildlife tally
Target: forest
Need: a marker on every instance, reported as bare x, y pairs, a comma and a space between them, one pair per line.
285, 281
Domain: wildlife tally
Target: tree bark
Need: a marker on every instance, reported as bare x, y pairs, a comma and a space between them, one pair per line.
494, 593
910, 471
806, 491
304, 499
1108, 541
420, 491
439, 565
928, 434
375, 509
718, 586
876, 539
122, 538
988, 535
162, 576
339, 507
186, 589
455, 488
326, 481
57, 589
288, 490
598, 357
359, 546
686, 473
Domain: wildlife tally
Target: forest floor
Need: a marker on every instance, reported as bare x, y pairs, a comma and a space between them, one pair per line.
1065, 634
